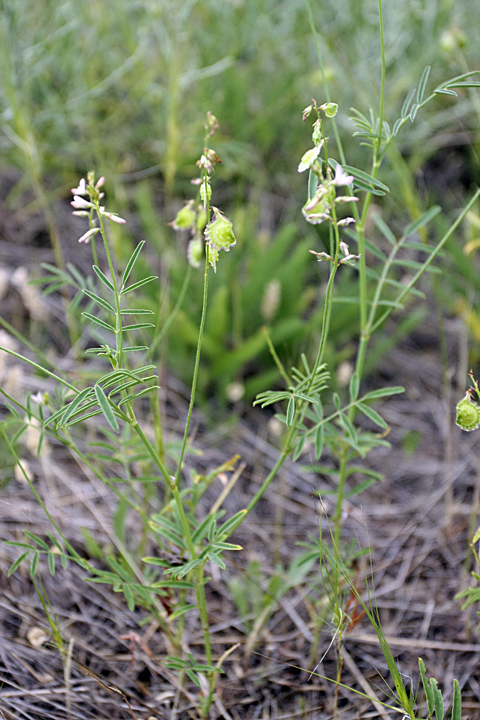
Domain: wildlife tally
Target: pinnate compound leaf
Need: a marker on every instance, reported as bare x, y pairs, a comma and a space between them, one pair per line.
18, 562
319, 440
131, 398
106, 407
138, 326
426, 687
438, 700
384, 229
312, 184
396, 126
97, 321
229, 526
269, 397
216, 560
34, 565
372, 415
132, 262
75, 404
181, 572
138, 284
354, 386
51, 563
422, 220
457, 701
407, 103
369, 180
36, 539
103, 278
81, 418
444, 91
136, 311
100, 301
135, 348
181, 611
290, 411
299, 449
227, 546
384, 392
423, 84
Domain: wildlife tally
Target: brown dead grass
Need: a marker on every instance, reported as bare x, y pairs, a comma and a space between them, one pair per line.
415, 525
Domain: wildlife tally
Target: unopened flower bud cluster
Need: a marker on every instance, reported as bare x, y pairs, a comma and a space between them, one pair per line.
86, 201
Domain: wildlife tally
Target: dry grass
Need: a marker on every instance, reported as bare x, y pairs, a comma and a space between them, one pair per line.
415, 524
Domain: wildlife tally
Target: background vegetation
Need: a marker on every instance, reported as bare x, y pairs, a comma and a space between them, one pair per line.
123, 88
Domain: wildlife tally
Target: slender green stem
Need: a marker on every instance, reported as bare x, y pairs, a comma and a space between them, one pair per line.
153, 454
199, 584
271, 476
30, 345
337, 517
382, 83
275, 357
197, 366
55, 526
428, 261
363, 296
326, 89
181, 296
118, 314
40, 368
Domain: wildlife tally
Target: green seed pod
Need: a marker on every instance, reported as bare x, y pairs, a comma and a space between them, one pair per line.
330, 109
219, 235
185, 217
468, 414
195, 251
219, 232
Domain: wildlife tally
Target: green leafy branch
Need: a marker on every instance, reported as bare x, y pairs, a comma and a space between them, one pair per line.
308, 385
369, 127
94, 400
207, 531
191, 667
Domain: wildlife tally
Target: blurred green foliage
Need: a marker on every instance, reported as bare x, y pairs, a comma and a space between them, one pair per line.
122, 86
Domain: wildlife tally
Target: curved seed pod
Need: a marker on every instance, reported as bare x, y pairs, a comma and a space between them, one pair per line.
219, 235
468, 414
185, 217
219, 232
